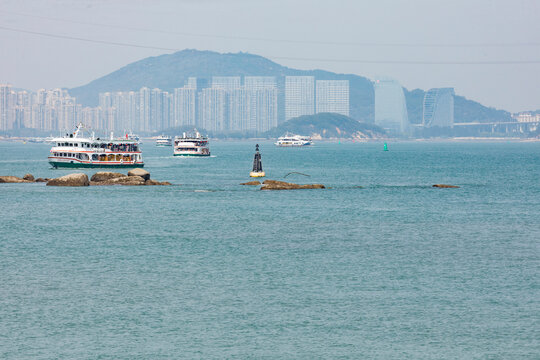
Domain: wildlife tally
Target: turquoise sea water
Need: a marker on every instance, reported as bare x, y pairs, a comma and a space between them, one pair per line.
379, 266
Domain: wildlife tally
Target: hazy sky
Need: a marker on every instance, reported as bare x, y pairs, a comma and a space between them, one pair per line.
346, 32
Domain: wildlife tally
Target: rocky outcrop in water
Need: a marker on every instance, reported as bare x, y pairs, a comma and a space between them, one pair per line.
445, 186
256, 182
105, 175
123, 180
78, 179
139, 172
155, 182
13, 179
98, 179
112, 178
282, 185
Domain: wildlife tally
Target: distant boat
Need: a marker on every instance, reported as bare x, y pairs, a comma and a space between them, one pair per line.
163, 140
193, 144
132, 136
291, 140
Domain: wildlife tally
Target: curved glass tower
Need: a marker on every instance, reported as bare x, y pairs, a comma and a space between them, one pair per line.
390, 106
439, 107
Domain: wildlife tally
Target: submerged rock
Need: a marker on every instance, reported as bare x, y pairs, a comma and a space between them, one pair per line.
282, 185
78, 179
12, 179
124, 180
105, 175
155, 182
139, 172
42, 179
256, 182
445, 186
29, 177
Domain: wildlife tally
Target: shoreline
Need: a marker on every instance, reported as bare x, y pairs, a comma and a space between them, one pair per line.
332, 140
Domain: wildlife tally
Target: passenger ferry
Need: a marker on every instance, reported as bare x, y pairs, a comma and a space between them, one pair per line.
77, 151
289, 140
191, 145
135, 137
163, 140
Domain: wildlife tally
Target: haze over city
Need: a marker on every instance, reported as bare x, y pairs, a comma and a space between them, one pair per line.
487, 50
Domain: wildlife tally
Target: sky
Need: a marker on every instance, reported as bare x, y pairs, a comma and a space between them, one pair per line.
488, 50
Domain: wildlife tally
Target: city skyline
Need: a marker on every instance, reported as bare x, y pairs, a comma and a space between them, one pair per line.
493, 64
219, 104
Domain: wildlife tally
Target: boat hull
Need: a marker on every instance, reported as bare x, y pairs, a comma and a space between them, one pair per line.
192, 155
78, 165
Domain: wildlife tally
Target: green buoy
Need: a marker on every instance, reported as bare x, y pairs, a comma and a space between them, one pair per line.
385, 147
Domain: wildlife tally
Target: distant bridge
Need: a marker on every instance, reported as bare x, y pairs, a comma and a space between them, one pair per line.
501, 127
507, 127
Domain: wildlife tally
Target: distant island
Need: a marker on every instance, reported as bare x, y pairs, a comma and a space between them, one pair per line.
328, 126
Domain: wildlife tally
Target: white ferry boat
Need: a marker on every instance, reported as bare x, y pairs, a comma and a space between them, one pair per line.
163, 140
191, 145
289, 140
77, 151
135, 137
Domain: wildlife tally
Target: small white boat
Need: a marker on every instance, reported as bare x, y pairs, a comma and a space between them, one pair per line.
290, 140
191, 145
163, 140
132, 136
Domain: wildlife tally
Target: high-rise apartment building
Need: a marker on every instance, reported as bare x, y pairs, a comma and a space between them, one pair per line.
260, 82
439, 107
332, 96
5, 95
184, 105
390, 106
264, 109
263, 95
299, 96
144, 110
226, 82
239, 106
213, 109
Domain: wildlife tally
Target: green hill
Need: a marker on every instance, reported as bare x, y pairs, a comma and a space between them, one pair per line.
170, 71
327, 126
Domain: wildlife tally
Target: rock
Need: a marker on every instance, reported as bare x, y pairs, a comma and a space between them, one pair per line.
29, 177
105, 175
139, 172
12, 179
42, 179
445, 186
78, 179
256, 182
155, 182
124, 180
281, 185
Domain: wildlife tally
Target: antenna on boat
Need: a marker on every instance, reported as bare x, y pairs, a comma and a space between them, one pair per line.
257, 164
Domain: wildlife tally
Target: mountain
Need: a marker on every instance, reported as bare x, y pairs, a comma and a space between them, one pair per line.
170, 71
328, 126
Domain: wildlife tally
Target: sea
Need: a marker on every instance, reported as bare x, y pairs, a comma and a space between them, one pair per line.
379, 265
